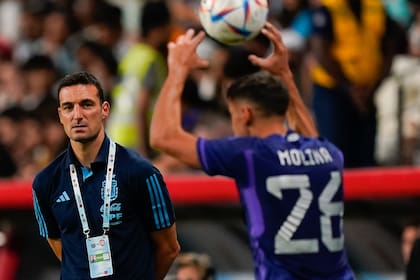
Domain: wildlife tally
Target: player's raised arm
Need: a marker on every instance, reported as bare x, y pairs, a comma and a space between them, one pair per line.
166, 132
277, 63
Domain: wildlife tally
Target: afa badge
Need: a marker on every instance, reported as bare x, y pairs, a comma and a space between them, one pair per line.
114, 188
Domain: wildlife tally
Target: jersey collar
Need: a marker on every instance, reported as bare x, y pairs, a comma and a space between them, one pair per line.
100, 160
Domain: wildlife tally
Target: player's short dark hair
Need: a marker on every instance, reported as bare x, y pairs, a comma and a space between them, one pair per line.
81, 78
264, 90
154, 14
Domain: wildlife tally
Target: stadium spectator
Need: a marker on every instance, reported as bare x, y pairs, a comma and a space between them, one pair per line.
121, 193
194, 266
29, 151
53, 42
56, 30
99, 60
39, 74
84, 12
353, 42
9, 137
267, 159
108, 30
11, 85
142, 71
31, 28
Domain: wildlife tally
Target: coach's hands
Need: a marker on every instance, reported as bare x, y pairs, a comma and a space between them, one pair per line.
277, 63
182, 55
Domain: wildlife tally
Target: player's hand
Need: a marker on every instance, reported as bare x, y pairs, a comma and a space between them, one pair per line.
182, 54
277, 63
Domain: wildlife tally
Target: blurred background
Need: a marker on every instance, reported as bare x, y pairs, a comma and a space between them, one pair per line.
41, 41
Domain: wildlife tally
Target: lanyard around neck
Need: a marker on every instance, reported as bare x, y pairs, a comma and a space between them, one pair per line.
106, 196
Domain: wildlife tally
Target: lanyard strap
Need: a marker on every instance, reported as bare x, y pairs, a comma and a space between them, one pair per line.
108, 185
106, 196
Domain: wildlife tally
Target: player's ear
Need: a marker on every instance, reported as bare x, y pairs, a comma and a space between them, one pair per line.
248, 115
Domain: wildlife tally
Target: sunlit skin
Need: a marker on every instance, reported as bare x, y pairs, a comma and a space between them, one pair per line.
82, 116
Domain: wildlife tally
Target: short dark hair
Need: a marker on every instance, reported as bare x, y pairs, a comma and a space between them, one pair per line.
154, 14
262, 89
81, 78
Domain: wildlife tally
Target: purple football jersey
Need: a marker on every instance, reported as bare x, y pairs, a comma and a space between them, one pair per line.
292, 194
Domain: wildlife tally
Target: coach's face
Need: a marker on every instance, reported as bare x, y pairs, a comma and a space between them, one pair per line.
81, 112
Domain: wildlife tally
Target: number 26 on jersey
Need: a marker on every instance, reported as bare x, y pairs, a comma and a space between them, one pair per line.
284, 241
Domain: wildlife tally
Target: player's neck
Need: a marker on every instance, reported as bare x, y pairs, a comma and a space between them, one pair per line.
86, 152
268, 126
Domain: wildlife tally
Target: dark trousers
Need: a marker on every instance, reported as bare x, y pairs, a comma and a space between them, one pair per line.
339, 121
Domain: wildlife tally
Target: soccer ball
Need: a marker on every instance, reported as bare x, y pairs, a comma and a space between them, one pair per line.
233, 22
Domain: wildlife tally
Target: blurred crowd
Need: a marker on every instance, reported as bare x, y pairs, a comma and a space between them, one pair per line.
123, 43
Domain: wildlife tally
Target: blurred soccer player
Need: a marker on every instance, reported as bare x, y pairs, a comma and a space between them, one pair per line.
290, 181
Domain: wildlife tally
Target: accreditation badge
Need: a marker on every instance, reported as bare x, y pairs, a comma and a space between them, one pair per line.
99, 256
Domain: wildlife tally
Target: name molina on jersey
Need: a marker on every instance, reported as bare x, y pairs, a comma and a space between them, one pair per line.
306, 157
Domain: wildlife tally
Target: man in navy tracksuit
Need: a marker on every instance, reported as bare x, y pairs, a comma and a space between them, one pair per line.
104, 210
